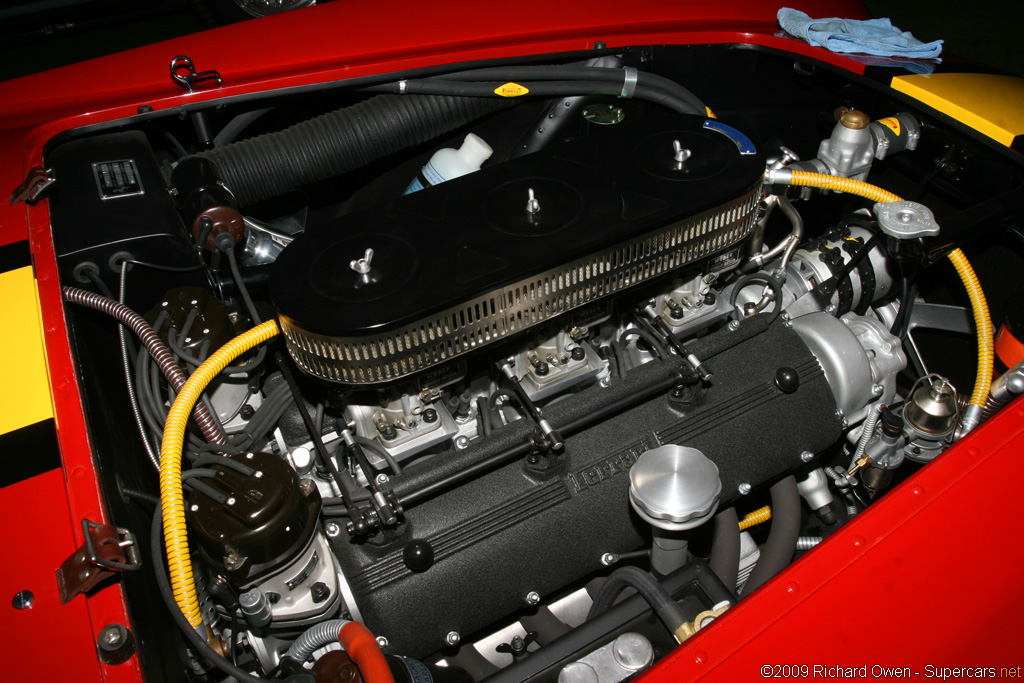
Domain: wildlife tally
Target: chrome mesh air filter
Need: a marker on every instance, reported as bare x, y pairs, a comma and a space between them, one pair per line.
463, 265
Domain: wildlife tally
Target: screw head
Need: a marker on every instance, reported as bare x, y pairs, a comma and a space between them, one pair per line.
382, 641
452, 638
23, 600
744, 488
230, 501
332, 529
533, 598
111, 635
806, 456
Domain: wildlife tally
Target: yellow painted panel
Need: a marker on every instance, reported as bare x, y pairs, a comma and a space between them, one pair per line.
24, 383
992, 105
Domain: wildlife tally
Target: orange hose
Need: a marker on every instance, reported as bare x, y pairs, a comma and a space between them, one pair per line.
362, 647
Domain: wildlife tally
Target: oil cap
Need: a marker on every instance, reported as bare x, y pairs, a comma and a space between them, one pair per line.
674, 487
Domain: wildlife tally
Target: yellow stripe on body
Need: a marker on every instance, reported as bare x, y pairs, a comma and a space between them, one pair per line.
990, 104
25, 389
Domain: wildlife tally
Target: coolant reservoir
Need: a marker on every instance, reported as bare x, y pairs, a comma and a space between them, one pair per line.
451, 163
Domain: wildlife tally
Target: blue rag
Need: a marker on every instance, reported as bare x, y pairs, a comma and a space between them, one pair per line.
873, 37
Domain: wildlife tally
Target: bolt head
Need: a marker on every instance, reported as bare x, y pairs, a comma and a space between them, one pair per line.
806, 456
462, 443
607, 559
744, 488
382, 478
332, 529
23, 600
533, 598
606, 382
382, 641
734, 325
452, 638
877, 389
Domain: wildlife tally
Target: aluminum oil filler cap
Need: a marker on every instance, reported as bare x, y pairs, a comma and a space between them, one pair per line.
674, 487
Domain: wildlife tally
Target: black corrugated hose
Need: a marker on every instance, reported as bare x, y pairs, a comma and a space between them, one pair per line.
340, 141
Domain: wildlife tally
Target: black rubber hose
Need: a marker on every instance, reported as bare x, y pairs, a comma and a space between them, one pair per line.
337, 142
616, 76
670, 613
781, 544
440, 86
725, 547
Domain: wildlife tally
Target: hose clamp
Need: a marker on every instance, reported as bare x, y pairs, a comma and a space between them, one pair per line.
778, 176
629, 78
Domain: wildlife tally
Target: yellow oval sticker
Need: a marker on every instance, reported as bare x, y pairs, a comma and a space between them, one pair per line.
511, 90
892, 123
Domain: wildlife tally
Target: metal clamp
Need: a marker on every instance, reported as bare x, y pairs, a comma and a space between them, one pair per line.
629, 78
107, 549
690, 628
35, 185
193, 79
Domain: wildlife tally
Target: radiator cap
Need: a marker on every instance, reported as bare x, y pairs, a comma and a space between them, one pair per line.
674, 487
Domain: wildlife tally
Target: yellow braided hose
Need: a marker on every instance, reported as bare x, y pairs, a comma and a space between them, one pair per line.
172, 499
759, 516
982, 320
847, 185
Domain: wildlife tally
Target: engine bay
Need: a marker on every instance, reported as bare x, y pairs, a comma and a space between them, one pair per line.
420, 368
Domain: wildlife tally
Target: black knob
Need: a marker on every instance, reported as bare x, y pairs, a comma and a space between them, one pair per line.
418, 555
787, 379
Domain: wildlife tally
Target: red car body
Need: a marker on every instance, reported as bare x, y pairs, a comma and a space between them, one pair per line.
944, 540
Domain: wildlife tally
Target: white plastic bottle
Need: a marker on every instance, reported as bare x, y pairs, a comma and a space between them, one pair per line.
451, 163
